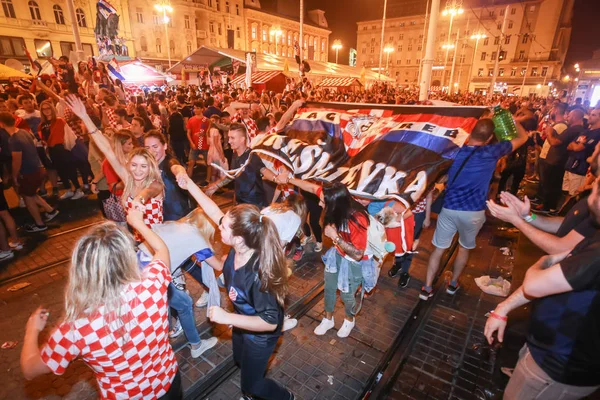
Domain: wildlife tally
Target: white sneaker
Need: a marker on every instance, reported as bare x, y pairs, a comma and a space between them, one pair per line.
78, 195
67, 195
202, 300
15, 245
6, 255
318, 247
289, 323
324, 326
306, 240
345, 329
176, 330
205, 344
21, 203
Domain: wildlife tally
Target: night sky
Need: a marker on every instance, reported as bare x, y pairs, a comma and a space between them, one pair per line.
342, 16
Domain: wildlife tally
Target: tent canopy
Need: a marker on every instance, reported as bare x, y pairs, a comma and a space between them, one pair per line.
205, 56
257, 77
339, 82
7, 73
136, 72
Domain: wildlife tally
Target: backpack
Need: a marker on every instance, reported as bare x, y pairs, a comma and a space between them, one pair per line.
376, 240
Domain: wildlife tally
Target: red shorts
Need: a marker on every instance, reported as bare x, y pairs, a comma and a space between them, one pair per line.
30, 183
394, 235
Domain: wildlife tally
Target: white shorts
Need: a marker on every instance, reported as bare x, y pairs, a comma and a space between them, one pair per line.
572, 182
466, 223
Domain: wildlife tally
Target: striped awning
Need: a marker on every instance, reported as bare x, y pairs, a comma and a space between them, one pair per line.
257, 77
339, 82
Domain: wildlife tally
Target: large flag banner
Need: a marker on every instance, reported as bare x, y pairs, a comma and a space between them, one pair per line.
377, 151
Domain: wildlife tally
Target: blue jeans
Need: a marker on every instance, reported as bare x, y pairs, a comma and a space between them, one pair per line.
183, 304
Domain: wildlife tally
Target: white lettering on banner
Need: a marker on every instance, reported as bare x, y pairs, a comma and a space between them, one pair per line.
306, 159
389, 184
321, 166
350, 177
417, 187
367, 175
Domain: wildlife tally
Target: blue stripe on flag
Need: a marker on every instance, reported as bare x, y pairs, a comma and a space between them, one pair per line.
443, 146
107, 6
331, 128
115, 72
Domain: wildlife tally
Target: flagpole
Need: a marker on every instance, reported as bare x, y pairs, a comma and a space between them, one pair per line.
429, 51
71, 8
382, 39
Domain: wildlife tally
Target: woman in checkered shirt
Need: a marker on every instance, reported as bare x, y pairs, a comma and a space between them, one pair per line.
115, 318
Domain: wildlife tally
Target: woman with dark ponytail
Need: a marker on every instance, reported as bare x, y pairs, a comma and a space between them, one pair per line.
255, 275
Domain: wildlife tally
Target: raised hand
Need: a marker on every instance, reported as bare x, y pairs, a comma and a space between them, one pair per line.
523, 207
76, 105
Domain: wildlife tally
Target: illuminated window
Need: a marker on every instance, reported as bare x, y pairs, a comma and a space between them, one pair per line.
58, 15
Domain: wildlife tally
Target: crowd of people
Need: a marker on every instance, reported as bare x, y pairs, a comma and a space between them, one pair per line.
139, 156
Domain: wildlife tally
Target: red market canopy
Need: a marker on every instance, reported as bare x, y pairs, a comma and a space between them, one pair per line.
339, 82
257, 77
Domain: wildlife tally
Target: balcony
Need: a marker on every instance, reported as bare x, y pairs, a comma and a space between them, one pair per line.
41, 26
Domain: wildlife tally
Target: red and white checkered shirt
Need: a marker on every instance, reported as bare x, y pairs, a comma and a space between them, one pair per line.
111, 116
420, 206
153, 214
131, 362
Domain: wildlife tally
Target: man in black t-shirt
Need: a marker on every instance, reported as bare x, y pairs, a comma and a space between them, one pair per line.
561, 358
248, 183
178, 134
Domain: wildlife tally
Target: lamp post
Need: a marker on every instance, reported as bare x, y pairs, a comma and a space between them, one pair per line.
277, 33
337, 45
477, 37
447, 47
165, 8
452, 9
387, 50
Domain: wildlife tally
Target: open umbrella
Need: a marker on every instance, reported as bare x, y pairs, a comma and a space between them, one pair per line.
7, 73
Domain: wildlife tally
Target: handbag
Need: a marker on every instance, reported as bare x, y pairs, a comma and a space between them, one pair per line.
70, 139
113, 208
438, 204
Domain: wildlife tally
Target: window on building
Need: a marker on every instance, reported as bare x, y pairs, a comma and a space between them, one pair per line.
398, 62
544, 71
155, 19
496, 40
501, 72
373, 27
253, 32
418, 61
486, 41
237, 9
172, 46
186, 21
502, 12
67, 47
513, 11
401, 36
289, 38
139, 15
391, 38
408, 61
507, 39
401, 24
510, 25
218, 3
483, 55
12, 46
502, 55
158, 46
264, 35
227, 9
492, 13
480, 72
490, 72
238, 32
513, 71
410, 47
499, 26
365, 28
210, 3
211, 27
397, 73
534, 71
143, 43
323, 44
399, 47
462, 58
219, 27
413, 22
494, 54
34, 11
59, 17
189, 47
372, 49
522, 55
43, 48
9, 9
81, 18
523, 71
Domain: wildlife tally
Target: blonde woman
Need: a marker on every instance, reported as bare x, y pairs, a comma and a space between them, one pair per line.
143, 185
115, 318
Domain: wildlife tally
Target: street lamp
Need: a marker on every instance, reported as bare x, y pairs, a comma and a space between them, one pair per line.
337, 45
477, 37
453, 9
277, 32
387, 50
165, 8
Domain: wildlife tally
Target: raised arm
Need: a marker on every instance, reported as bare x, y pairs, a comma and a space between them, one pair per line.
521, 136
285, 177
101, 141
161, 252
210, 207
289, 114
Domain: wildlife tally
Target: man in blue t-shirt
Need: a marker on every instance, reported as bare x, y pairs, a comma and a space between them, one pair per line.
465, 201
579, 150
561, 358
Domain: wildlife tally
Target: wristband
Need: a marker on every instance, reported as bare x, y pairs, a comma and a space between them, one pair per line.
336, 241
530, 218
493, 314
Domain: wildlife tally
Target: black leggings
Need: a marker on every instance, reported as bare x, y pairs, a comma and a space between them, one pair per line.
517, 172
252, 356
175, 391
64, 164
314, 212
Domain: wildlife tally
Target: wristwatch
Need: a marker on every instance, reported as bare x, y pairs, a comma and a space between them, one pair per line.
336, 241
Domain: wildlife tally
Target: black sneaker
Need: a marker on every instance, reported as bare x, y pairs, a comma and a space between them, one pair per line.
425, 295
33, 228
404, 279
451, 289
51, 215
203, 184
393, 272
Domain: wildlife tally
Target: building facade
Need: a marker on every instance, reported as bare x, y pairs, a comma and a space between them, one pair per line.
270, 33
531, 52
44, 27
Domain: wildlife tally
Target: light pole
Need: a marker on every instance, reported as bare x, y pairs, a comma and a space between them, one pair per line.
452, 9
447, 47
387, 50
477, 37
165, 8
382, 39
427, 62
337, 45
277, 33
